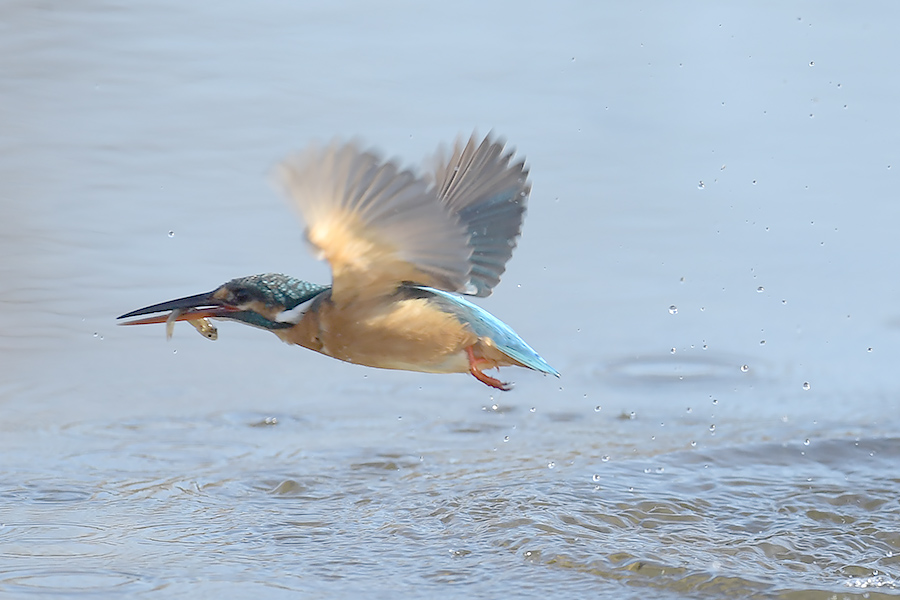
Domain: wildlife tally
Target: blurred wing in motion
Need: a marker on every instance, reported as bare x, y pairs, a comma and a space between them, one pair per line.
376, 225
488, 195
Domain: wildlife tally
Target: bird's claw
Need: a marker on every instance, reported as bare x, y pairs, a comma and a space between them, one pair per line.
485, 379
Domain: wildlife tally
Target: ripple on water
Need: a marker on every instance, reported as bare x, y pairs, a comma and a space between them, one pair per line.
51, 493
664, 368
53, 539
69, 582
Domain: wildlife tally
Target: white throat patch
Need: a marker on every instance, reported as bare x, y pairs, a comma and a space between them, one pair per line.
293, 315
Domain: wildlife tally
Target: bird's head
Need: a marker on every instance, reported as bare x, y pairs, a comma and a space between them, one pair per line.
270, 301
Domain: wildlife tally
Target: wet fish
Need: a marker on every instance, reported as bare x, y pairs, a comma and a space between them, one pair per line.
203, 325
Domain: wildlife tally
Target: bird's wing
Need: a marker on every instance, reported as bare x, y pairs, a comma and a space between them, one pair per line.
376, 225
488, 195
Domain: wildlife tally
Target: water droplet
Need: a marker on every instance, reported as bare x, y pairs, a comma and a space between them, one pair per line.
673, 310
595, 478
701, 185
605, 458
672, 351
811, 116
495, 407
632, 415
693, 444
551, 465
760, 290
96, 334
715, 400
174, 351
597, 408
712, 427
762, 342
399, 418
505, 438
754, 182
689, 409
868, 349
705, 346
812, 63
806, 442
171, 233
784, 301
745, 368
805, 385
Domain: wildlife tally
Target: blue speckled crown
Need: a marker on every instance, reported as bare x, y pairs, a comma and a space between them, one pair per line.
275, 289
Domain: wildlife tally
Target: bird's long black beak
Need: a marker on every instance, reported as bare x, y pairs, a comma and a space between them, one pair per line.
198, 306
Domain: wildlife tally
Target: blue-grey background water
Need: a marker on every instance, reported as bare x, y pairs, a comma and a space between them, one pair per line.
709, 259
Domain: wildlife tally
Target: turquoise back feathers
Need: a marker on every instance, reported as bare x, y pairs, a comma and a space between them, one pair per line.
486, 325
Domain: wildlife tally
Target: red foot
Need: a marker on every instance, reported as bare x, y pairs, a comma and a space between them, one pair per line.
480, 376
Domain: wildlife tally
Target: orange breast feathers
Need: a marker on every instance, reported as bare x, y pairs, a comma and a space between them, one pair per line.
410, 334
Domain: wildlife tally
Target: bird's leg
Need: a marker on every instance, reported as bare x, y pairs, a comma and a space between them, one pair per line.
480, 376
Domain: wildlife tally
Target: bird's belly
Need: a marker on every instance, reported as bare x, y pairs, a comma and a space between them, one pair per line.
410, 335
452, 363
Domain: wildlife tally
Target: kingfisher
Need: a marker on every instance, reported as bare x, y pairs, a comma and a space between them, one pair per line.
404, 248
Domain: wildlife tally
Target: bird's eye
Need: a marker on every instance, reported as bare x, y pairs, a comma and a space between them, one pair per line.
242, 297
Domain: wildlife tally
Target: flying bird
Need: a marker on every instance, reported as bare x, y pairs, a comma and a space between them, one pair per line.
402, 248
